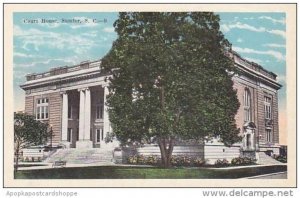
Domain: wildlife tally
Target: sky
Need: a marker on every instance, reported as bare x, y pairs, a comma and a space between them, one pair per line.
258, 37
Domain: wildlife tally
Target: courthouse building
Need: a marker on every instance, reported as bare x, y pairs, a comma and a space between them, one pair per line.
72, 100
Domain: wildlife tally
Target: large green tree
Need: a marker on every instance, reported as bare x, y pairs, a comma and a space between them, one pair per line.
28, 132
171, 78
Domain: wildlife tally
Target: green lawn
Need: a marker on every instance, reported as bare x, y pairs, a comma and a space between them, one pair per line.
116, 172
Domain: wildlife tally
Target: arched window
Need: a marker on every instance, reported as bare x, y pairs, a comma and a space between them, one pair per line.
247, 106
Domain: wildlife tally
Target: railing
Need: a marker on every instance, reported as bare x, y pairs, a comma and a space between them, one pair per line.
64, 69
252, 65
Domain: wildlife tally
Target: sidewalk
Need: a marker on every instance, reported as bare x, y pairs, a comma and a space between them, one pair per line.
278, 175
247, 166
69, 165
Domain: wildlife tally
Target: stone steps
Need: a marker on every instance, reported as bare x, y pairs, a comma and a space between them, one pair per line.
265, 159
82, 156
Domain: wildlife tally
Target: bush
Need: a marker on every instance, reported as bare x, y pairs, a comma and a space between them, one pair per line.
141, 159
132, 159
242, 161
109, 137
198, 161
221, 163
153, 160
175, 160
280, 158
187, 161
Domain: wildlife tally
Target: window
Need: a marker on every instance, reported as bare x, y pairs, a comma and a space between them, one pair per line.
247, 106
69, 138
42, 114
99, 135
269, 135
99, 111
38, 110
70, 112
267, 108
46, 112
42, 110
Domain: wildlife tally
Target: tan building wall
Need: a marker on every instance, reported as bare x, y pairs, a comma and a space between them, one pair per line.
257, 109
54, 112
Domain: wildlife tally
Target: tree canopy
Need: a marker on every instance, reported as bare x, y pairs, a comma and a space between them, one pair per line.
171, 78
28, 132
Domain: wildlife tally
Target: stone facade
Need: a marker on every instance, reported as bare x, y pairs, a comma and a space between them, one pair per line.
72, 100
261, 85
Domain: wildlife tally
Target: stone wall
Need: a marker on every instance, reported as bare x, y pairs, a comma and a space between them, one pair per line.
213, 152
210, 153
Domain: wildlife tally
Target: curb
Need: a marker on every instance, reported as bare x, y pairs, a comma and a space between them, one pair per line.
258, 176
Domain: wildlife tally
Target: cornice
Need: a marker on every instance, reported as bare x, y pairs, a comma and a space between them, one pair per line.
260, 76
61, 79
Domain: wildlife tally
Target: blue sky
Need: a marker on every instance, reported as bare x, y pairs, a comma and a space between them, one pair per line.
259, 37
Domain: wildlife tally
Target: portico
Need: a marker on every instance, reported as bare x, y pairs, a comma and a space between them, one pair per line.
75, 100
85, 121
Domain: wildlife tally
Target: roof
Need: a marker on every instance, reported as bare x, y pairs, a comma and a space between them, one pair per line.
251, 68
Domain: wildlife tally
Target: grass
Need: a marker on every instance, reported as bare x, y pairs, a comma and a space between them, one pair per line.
118, 172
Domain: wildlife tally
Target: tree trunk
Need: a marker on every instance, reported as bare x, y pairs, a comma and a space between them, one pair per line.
17, 158
166, 150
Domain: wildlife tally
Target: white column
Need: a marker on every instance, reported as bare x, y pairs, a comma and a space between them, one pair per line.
64, 121
106, 124
87, 118
81, 114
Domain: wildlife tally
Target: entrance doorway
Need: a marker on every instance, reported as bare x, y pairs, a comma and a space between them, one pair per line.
99, 137
248, 141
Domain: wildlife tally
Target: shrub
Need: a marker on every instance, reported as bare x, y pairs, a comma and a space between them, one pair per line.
175, 161
132, 159
152, 160
242, 161
198, 161
186, 161
155, 160
280, 158
109, 137
221, 163
141, 159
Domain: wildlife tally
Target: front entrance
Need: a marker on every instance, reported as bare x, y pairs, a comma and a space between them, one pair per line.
249, 134
248, 141
99, 137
